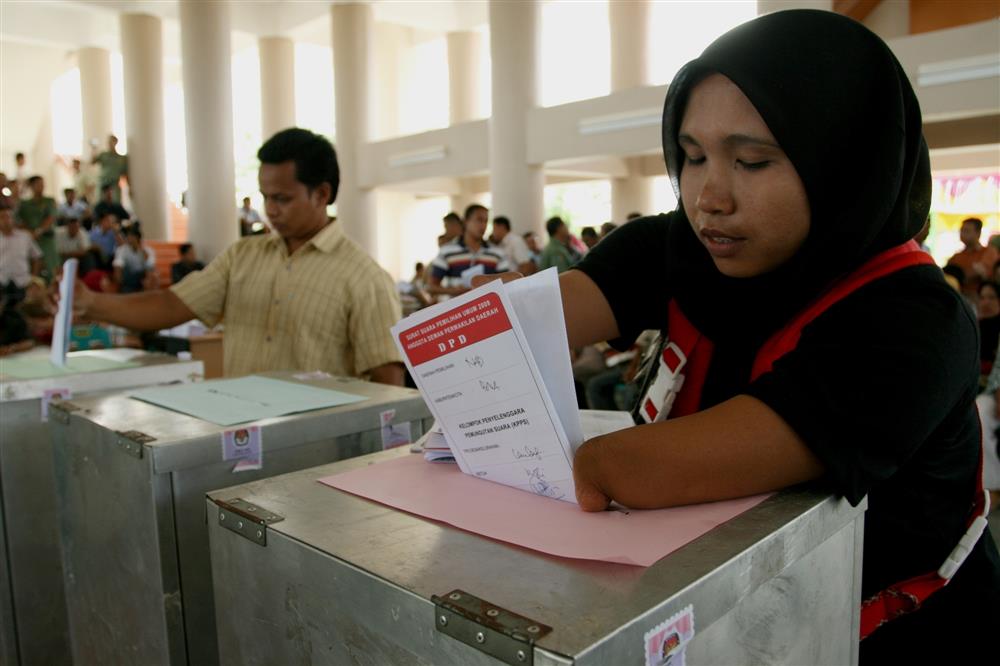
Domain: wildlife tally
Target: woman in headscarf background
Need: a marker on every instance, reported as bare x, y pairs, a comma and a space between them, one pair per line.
795, 145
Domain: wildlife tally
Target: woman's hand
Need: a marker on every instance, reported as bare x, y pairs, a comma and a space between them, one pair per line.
587, 476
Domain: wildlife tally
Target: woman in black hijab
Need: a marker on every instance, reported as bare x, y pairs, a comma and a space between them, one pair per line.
795, 145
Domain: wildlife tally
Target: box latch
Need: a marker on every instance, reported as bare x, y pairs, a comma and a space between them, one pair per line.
496, 631
60, 410
246, 519
132, 442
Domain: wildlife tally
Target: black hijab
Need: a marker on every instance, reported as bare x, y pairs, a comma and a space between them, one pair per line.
842, 109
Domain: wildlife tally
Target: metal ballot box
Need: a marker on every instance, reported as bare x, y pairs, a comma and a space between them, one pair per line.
329, 578
132, 478
33, 624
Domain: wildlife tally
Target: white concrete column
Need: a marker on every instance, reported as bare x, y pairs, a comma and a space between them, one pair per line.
391, 46
142, 61
277, 84
352, 26
95, 96
42, 158
629, 25
517, 186
208, 114
768, 6
464, 52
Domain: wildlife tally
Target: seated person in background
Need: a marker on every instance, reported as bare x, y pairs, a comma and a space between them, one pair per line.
74, 208
534, 246
988, 311
558, 252
72, 242
977, 260
250, 222
20, 258
133, 263
518, 254
303, 298
188, 264
107, 204
106, 238
453, 228
607, 228
589, 237
468, 254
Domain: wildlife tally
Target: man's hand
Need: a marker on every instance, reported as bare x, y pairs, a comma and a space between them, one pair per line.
83, 297
587, 476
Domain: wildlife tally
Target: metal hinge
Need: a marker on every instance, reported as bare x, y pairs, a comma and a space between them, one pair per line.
60, 410
132, 441
498, 632
246, 519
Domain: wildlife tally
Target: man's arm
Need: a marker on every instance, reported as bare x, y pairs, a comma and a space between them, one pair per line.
143, 311
390, 373
434, 288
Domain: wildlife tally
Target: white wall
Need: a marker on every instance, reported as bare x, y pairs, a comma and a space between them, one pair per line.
26, 75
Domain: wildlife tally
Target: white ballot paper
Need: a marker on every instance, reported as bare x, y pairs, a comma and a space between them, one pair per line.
64, 317
471, 359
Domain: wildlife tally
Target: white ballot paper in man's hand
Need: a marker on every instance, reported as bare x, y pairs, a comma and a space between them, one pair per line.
64, 317
471, 361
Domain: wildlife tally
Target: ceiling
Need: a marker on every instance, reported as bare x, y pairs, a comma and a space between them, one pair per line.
73, 24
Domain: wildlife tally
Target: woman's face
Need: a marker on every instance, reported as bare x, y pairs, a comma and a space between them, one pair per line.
989, 304
744, 198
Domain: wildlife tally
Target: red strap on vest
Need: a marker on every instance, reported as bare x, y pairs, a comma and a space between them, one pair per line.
900, 598
785, 340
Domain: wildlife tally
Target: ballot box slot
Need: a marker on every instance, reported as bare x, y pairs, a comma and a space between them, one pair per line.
246, 519
487, 627
132, 442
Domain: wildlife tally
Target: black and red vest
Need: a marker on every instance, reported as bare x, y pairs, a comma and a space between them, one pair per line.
676, 388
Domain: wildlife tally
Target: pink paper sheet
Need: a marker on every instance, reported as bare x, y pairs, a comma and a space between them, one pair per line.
442, 492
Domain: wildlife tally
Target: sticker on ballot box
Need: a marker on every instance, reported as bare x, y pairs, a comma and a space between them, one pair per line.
244, 445
667, 641
393, 434
53, 394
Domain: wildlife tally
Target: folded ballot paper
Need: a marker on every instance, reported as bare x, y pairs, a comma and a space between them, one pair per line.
493, 366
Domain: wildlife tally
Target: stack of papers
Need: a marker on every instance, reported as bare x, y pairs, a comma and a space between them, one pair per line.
493, 365
436, 447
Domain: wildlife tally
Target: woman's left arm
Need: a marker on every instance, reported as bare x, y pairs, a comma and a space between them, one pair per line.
738, 448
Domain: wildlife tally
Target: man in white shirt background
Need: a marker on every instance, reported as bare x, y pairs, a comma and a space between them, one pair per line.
513, 245
20, 257
74, 208
134, 264
72, 242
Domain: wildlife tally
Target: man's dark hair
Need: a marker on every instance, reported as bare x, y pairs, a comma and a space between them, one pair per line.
419, 266
315, 158
106, 188
472, 208
502, 221
969, 220
185, 248
552, 226
34, 179
5, 204
451, 217
134, 231
631, 216
67, 190
18, 155
588, 232
608, 227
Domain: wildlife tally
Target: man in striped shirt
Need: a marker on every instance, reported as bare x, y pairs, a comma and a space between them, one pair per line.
304, 298
468, 255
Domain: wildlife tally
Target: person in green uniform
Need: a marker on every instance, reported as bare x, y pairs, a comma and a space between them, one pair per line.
38, 215
114, 165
